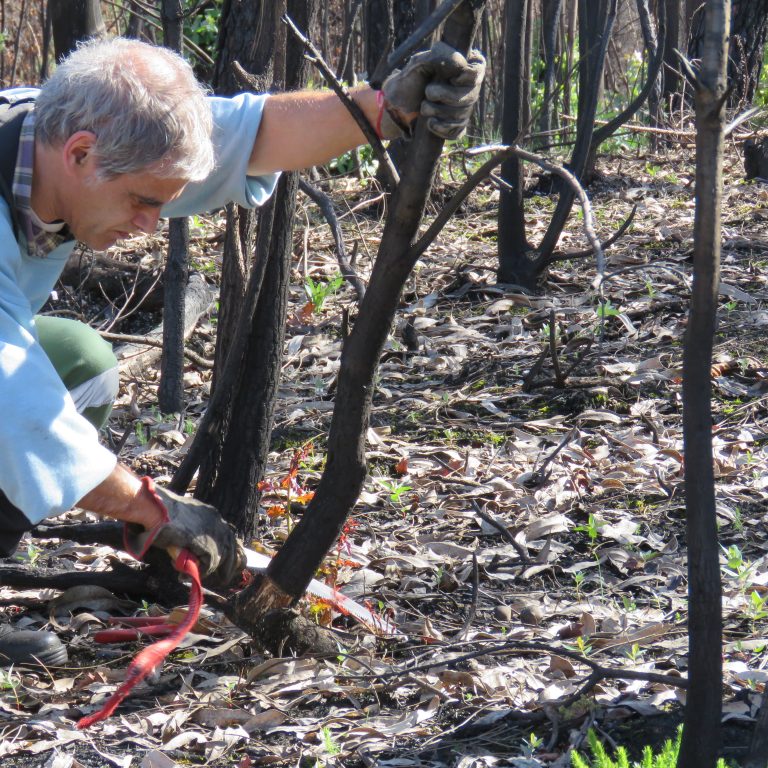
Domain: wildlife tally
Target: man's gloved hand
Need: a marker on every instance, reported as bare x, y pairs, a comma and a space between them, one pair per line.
439, 84
190, 524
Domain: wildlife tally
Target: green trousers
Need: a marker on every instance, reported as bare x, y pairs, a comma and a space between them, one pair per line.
85, 363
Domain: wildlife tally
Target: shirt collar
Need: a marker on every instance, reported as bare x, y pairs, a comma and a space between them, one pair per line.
38, 241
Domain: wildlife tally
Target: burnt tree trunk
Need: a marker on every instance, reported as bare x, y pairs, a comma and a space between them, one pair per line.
229, 477
346, 68
248, 32
596, 20
406, 16
170, 395
550, 22
379, 25
670, 73
749, 28
247, 37
701, 733
291, 570
515, 265
655, 51
73, 21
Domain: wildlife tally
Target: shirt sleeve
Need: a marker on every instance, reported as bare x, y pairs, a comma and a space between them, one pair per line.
235, 125
51, 455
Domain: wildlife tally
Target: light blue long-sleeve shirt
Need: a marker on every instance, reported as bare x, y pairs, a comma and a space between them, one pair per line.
50, 456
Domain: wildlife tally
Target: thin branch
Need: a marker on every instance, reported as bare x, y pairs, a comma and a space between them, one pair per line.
150, 18
585, 254
502, 153
343, 93
559, 379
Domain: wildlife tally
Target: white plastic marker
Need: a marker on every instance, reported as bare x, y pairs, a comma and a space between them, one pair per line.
378, 624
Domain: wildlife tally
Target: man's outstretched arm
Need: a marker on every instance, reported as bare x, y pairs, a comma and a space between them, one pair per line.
307, 128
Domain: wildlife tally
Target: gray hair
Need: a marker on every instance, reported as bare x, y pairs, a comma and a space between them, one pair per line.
143, 103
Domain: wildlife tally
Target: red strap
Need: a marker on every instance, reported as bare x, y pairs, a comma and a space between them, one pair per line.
148, 488
153, 655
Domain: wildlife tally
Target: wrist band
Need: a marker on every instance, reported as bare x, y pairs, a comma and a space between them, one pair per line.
380, 105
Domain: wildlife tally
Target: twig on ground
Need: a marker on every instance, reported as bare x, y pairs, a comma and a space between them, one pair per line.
473, 603
502, 529
598, 672
559, 378
149, 341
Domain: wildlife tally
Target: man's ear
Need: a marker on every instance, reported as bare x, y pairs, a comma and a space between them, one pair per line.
78, 153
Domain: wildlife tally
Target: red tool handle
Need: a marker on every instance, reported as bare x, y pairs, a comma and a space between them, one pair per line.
151, 656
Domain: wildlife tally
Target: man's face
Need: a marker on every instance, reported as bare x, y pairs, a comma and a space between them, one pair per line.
102, 212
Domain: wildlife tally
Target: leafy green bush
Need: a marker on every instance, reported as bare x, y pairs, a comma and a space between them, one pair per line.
203, 28
666, 758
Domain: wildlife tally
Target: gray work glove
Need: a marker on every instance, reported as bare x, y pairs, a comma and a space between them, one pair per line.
439, 84
193, 525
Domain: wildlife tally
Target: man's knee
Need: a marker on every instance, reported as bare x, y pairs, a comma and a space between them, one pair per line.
85, 363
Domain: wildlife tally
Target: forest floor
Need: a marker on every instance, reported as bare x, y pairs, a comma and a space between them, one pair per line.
469, 448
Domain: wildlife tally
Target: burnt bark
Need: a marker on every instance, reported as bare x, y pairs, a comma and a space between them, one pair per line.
701, 733
596, 20
550, 20
379, 24
515, 264
247, 36
749, 29
670, 74
230, 484
73, 21
291, 570
758, 746
170, 394
655, 50
171, 391
233, 460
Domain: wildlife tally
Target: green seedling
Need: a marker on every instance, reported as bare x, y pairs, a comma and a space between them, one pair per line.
318, 292
141, 433
592, 528
756, 606
531, 744
634, 654
329, 743
628, 603
582, 646
606, 309
396, 490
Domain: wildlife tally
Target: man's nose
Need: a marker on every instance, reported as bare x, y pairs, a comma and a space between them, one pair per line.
146, 221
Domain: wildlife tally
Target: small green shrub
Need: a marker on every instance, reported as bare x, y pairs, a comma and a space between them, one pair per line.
666, 758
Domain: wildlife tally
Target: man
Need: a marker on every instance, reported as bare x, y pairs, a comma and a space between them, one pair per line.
121, 134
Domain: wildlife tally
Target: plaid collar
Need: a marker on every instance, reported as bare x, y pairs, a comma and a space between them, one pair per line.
39, 242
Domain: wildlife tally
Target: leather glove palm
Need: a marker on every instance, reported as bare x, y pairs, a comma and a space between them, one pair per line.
439, 84
193, 525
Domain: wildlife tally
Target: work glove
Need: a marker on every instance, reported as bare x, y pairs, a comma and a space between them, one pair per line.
193, 525
440, 84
